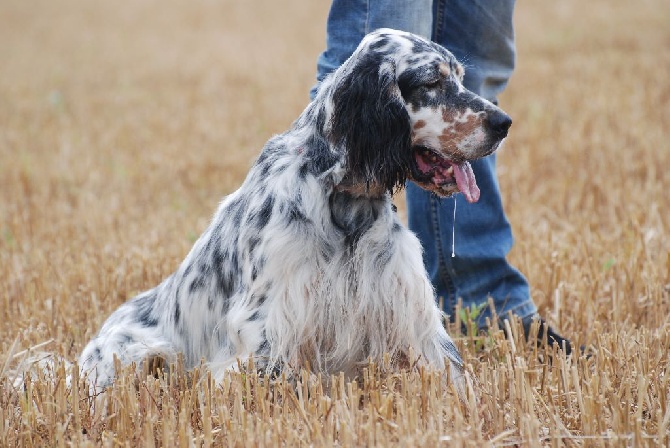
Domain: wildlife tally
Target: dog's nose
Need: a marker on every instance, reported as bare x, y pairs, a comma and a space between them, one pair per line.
499, 123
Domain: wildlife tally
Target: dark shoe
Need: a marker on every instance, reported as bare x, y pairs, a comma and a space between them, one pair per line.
551, 338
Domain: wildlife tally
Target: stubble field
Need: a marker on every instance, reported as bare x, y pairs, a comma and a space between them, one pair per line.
123, 125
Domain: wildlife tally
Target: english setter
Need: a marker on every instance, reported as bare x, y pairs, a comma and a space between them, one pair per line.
307, 264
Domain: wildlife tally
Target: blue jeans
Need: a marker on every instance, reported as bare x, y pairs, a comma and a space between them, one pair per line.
481, 36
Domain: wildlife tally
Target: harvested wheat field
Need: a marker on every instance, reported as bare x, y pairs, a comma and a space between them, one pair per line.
123, 125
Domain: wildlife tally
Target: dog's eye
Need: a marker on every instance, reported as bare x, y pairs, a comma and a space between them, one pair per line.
434, 84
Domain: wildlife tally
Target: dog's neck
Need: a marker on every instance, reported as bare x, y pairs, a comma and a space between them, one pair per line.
355, 214
360, 189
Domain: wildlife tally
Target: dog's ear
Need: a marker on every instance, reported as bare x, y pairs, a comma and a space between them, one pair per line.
370, 122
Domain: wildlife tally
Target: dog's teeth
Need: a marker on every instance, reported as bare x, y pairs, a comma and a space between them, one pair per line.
451, 170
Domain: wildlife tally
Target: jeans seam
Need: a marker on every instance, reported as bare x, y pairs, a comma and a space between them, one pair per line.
367, 17
437, 20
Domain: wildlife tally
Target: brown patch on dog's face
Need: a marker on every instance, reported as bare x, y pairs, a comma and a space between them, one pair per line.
444, 70
459, 72
419, 124
462, 132
458, 134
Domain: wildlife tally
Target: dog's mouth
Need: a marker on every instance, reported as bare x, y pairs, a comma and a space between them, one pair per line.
442, 176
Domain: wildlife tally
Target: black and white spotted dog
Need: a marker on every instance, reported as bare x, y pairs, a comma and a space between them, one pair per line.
307, 263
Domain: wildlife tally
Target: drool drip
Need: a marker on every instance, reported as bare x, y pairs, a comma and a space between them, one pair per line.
453, 232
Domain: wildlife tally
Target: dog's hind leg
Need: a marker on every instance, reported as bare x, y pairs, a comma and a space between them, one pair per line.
131, 334
127, 345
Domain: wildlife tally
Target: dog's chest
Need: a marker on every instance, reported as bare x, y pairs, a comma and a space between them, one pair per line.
353, 254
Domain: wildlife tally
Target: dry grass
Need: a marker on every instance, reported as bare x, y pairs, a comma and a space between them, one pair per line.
121, 126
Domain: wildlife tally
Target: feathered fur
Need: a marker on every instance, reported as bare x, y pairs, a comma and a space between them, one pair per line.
308, 263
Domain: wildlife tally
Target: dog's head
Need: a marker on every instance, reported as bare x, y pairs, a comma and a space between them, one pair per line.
401, 112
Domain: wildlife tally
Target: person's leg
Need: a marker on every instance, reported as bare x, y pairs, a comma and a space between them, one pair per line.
482, 39
350, 20
480, 35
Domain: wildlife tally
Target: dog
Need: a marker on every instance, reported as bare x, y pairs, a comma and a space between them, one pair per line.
307, 264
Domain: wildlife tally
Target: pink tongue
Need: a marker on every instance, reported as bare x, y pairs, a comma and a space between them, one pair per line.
465, 179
